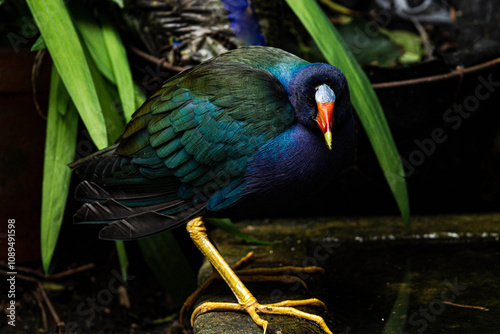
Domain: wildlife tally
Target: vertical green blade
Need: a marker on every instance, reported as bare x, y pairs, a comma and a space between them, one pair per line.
91, 32
363, 96
122, 257
55, 24
120, 66
107, 95
60, 145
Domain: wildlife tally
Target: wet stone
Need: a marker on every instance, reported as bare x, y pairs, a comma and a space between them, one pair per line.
374, 268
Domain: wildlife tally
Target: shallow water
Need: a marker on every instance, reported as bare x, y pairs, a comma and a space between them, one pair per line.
441, 276
384, 289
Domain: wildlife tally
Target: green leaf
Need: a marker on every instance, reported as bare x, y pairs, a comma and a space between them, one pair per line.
375, 48
122, 257
53, 20
39, 44
107, 98
363, 96
63, 98
120, 65
166, 259
410, 42
227, 226
91, 32
60, 145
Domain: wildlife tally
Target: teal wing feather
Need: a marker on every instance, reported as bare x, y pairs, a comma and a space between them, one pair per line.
185, 150
204, 125
187, 147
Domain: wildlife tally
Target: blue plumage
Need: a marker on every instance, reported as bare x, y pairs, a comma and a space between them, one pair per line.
239, 134
244, 22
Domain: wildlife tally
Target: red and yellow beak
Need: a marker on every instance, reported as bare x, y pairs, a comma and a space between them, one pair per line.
325, 120
325, 100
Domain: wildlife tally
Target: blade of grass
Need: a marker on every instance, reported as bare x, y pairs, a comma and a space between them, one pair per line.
227, 226
107, 98
53, 20
62, 96
91, 32
60, 145
166, 259
363, 96
122, 257
120, 66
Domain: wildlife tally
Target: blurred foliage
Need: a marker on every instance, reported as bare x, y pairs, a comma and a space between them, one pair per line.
374, 45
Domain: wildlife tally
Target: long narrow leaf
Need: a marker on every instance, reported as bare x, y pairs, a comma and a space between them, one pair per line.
53, 20
100, 69
90, 30
363, 96
120, 65
60, 147
107, 98
166, 259
122, 257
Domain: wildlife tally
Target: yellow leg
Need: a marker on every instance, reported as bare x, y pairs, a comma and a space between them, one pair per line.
246, 301
261, 275
188, 303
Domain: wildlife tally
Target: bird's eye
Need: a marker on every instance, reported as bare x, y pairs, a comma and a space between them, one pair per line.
309, 101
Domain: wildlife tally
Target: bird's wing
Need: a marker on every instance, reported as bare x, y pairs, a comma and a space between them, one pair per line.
206, 124
198, 131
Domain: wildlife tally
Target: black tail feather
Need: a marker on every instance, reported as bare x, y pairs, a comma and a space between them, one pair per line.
135, 204
112, 210
108, 151
91, 192
148, 223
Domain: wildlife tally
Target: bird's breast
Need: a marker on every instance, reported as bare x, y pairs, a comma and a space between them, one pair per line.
290, 167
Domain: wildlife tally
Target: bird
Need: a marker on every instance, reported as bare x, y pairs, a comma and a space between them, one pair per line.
253, 131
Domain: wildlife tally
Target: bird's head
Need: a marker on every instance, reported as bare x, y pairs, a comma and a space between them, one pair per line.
320, 96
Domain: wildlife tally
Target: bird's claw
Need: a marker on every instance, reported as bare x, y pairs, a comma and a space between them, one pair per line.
279, 274
286, 307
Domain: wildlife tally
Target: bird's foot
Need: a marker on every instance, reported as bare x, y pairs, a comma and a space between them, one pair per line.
278, 274
246, 301
253, 308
